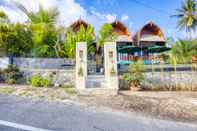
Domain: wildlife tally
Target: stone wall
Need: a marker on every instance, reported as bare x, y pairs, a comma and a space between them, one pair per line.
63, 70
38, 63
182, 80
60, 77
44, 63
4, 62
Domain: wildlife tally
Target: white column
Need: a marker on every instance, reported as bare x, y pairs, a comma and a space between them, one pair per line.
111, 71
81, 65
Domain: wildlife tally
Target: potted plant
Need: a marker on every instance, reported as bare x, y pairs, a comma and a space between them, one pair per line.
135, 75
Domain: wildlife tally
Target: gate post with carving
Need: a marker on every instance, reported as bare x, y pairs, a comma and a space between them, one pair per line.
81, 65
111, 71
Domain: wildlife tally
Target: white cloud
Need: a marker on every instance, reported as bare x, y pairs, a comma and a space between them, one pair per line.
14, 16
104, 17
69, 10
97, 19
124, 18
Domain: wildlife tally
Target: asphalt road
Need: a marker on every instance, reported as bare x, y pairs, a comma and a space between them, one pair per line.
18, 114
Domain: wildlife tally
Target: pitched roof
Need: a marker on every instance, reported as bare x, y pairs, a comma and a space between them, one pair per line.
150, 32
121, 31
77, 24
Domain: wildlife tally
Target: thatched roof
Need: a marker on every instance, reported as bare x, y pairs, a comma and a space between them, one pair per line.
77, 24
121, 31
150, 33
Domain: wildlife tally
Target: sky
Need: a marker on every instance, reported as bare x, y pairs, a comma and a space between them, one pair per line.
133, 13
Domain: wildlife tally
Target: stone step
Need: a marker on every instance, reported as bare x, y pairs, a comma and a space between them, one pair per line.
99, 91
95, 81
96, 77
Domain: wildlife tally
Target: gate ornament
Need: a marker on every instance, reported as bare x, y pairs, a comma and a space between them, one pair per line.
112, 72
80, 72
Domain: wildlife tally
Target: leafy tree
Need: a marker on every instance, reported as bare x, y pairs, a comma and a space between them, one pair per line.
44, 31
42, 16
16, 39
105, 35
187, 16
4, 28
183, 50
44, 38
70, 45
3, 17
19, 43
87, 35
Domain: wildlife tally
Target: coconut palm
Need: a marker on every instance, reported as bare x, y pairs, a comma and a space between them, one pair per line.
105, 35
183, 51
187, 16
45, 33
42, 16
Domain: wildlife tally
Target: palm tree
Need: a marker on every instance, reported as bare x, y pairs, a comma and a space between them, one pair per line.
183, 51
105, 35
42, 16
187, 16
45, 33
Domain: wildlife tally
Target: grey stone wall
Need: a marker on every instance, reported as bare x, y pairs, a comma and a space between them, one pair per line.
166, 81
44, 63
4, 62
182, 80
60, 77
38, 63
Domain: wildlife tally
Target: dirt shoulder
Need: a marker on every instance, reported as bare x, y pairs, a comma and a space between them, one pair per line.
176, 106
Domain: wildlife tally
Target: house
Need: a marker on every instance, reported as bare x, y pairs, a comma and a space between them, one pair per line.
147, 42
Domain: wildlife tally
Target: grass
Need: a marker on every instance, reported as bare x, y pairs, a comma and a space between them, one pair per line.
69, 89
7, 90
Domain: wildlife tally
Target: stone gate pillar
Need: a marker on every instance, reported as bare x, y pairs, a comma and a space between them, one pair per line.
111, 71
81, 65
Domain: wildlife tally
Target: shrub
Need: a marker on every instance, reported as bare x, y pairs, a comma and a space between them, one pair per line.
39, 81
135, 75
11, 75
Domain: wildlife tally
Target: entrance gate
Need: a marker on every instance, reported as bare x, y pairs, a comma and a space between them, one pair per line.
97, 84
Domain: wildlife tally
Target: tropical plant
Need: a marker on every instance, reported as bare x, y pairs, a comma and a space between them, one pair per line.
12, 74
42, 16
135, 75
86, 35
44, 31
39, 81
70, 45
3, 17
82, 35
183, 50
105, 35
5, 31
187, 16
19, 42
44, 39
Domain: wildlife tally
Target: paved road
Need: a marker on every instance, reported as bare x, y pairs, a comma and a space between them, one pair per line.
17, 114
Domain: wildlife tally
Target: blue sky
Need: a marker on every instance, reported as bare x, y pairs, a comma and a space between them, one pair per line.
133, 13
138, 13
